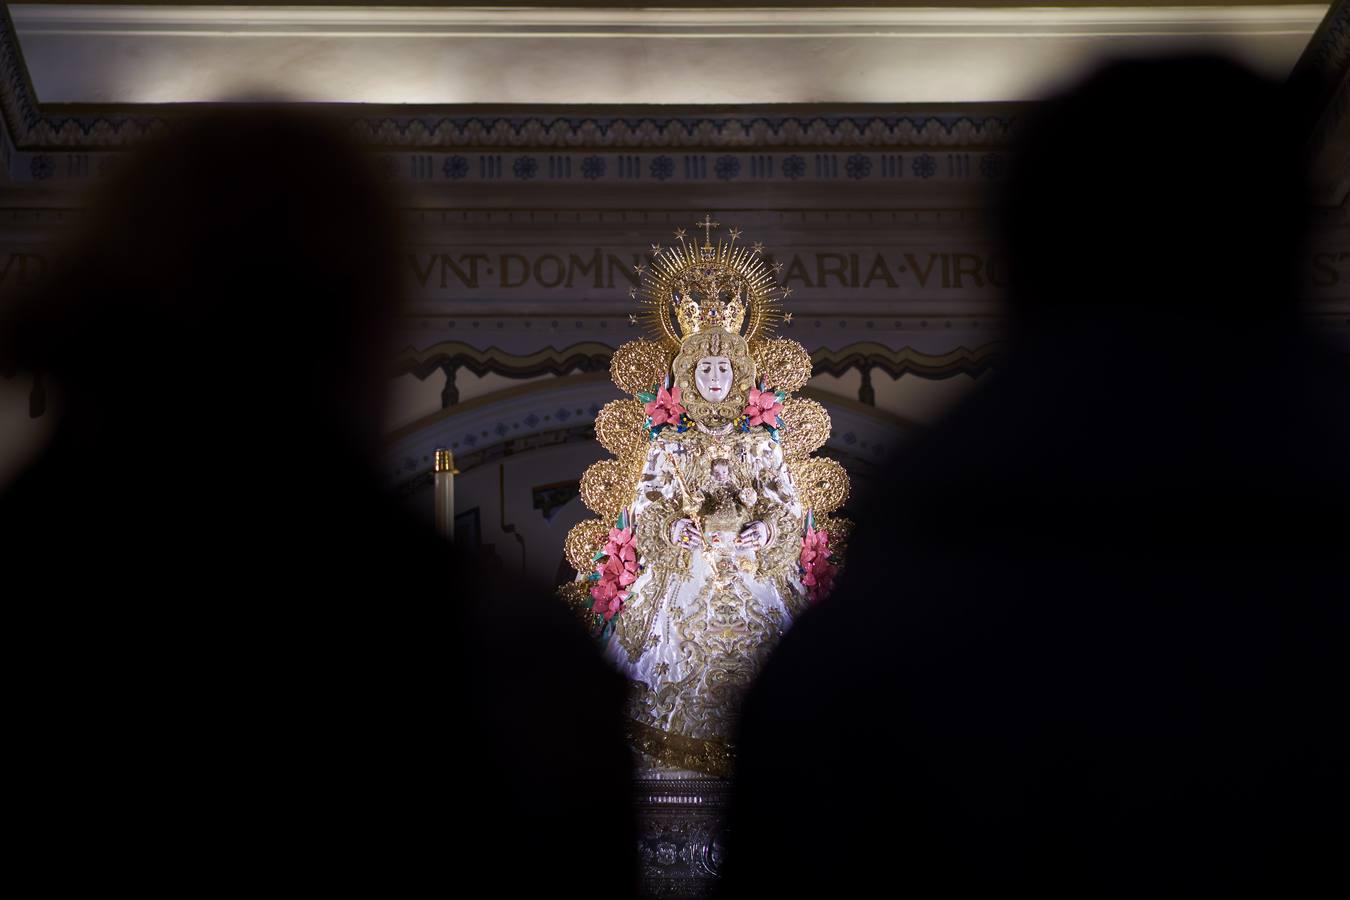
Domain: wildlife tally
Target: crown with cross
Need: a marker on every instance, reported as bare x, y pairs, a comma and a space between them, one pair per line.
690, 288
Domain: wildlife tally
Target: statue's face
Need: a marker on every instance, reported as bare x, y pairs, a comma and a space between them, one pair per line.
712, 377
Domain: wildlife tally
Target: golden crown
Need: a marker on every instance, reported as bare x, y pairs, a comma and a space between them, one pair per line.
711, 313
690, 288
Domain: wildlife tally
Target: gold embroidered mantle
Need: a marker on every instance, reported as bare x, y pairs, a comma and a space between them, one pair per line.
700, 622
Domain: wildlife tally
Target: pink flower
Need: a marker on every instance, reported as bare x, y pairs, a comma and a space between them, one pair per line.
620, 544
666, 408
618, 571
608, 597
764, 408
824, 573
815, 545
817, 570
818, 579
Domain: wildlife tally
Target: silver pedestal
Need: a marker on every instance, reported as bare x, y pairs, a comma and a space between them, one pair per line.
680, 822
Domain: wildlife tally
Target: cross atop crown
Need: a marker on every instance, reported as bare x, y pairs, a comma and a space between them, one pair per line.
707, 225
696, 287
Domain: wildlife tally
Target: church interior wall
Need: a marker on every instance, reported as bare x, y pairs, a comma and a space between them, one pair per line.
541, 157
523, 342
524, 225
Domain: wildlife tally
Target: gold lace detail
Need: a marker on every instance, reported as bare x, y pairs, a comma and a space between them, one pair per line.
634, 624
653, 537
794, 599
723, 636
713, 757
781, 555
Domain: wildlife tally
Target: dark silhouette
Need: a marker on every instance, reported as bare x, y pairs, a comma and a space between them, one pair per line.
235, 662
1092, 641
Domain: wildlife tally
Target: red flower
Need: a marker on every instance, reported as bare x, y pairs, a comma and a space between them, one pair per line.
764, 408
666, 408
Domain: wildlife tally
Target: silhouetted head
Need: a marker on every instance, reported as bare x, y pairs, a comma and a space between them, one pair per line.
240, 265
1167, 190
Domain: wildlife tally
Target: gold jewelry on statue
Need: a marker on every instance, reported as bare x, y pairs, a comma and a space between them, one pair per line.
638, 366
783, 363
715, 413
821, 482
619, 429
703, 298
806, 427
607, 487
691, 289
583, 542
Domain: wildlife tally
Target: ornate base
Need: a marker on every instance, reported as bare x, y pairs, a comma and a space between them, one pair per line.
680, 833
679, 754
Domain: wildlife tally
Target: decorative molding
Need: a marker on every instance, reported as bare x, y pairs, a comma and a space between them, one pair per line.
905, 361
941, 162
594, 357
625, 19
1327, 57
33, 128
18, 101
843, 112
839, 128
585, 357
644, 146
116, 128
1323, 77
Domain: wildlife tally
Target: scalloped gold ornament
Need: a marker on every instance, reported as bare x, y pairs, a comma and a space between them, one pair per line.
607, 487
807, 427
640, 365
576, 594
840, 529
621, 429
783, 364
821, 482
583, 541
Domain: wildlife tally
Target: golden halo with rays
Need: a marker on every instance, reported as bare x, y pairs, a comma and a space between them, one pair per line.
732, 285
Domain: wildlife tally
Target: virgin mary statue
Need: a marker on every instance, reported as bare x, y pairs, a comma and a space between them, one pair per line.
714, 533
